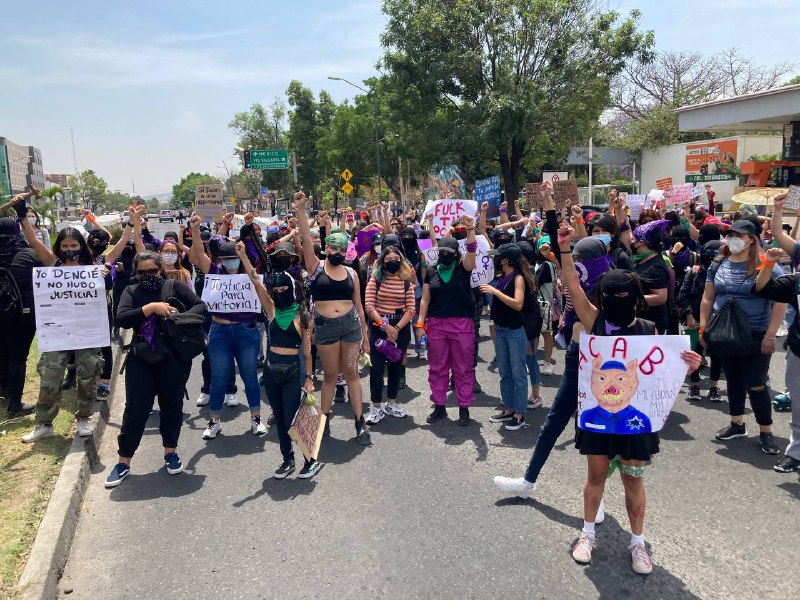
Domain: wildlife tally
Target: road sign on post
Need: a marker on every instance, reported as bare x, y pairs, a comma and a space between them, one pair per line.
266, 159
347, 188
346, 174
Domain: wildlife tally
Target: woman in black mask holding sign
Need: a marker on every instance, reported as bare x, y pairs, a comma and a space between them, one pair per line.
620, 298
288, 368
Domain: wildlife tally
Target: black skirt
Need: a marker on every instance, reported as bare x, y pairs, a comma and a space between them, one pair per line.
638, 446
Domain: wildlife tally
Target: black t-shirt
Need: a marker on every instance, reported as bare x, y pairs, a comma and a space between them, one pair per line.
785, 289
21, 266
544, 273
452, 299
654, 274
502, 314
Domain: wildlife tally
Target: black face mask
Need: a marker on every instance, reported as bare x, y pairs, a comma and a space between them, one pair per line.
498, 263
281, 263
392, 267
619, 310
98, 249
70, 255
447, 259
284, 299
460, 235
151, 283
335, 259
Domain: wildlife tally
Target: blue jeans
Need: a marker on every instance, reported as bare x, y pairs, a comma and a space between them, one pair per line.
564, 407
509, 345
533, 366
226, 342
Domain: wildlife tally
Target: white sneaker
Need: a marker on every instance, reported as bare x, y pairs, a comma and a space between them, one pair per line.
214, 427
40, 431
376, 415
257, 427
601, 514
203, 399
583, 548
534, 401
518, 486
640, 559
393, 410
231, 400
83, 427
547, 369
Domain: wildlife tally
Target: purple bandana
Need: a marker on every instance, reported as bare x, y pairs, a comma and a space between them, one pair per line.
148, 331
501, 284
645, 232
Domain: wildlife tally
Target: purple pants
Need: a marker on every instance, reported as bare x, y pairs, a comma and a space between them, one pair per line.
450, 345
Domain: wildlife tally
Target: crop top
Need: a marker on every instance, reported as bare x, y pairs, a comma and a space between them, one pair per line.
284, 338
324, 288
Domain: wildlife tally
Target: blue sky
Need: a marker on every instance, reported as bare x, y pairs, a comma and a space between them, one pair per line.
150, 86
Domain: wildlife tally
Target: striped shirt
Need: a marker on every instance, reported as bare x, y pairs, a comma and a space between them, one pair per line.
391, 296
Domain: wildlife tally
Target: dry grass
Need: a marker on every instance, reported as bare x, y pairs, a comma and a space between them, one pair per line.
27, 476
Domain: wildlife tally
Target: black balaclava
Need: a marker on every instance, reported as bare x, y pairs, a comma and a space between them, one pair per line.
287, 297
408, 237
708, 233
709, 252
618, 310
98, 242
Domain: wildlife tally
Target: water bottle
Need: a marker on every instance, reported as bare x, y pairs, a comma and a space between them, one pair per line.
389, 350
423, 342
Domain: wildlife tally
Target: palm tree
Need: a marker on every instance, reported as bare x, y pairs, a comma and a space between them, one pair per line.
49, 208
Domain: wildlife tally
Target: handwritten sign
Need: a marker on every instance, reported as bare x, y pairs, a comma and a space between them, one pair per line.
484, 264
565, 190
793, 201
698, 191
678, 194
532, 197
628, 385
71, 309
307, 428
230, 294
664, 184
488, 190
635, 205
446, 212
209, 202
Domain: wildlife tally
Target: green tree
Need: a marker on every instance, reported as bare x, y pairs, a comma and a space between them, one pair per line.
305, 129
47, 206
793, 81
514, 69
153, 206
91, 188
183, 191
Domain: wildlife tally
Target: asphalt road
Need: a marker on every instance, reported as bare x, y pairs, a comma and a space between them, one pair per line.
416, 515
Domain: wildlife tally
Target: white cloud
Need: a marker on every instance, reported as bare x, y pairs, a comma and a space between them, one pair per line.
183, 38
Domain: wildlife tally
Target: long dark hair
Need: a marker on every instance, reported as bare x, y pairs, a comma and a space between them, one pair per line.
406, 271
524, 268
85, 257
248, 232
299, 296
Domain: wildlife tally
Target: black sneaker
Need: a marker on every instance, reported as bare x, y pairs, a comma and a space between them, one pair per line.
463, 416
734, 430
501, 417
713, 395
439, 413
338, 397
272, 419
310, 469
362, 433
21, 410
286, 469
787, 464
767, 442
515, 424
694, 393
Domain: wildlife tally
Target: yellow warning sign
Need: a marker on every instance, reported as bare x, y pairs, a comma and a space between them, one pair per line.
347, 188
346, 175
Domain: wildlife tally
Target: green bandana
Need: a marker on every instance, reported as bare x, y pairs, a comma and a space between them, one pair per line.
446, 272
337, 240
284, 317
643, 255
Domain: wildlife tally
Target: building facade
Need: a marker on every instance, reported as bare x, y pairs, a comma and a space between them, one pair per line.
20, 167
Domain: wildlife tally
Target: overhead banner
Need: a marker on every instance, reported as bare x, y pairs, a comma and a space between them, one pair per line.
445, 183
484, 264
712, 161
230, 294
71, 308
446, 212
628, 384
488, 190
209, 203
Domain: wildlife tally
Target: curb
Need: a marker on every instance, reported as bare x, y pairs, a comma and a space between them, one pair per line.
50, 550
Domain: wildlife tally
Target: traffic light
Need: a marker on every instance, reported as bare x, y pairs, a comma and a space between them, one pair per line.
246, 157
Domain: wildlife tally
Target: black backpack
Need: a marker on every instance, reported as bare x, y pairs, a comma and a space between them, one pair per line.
10, 297
532, 319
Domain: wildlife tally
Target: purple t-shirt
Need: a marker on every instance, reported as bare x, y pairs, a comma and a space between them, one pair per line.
233, 317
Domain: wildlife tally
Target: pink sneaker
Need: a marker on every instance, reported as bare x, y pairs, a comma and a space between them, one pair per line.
640, 559
582, 550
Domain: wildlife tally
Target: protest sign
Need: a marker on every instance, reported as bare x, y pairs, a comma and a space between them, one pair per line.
488, 190
628, 384
209, 203
563, 191
364, 239
307, 428
664, 184
230, 294
424, 244
678, 194
446, 212
71, 308
484, 265
698, 191
445, 183
532, 197
793, 201
635, 205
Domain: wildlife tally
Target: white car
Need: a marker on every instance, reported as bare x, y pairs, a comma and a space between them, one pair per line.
166, 216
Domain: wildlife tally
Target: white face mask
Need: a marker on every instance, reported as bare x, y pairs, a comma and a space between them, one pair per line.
735, 244
169, 258
32, 221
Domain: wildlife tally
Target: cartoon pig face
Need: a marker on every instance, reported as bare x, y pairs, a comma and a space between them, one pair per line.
614, 384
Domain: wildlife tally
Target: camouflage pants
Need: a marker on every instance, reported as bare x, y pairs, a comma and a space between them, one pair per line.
51, 367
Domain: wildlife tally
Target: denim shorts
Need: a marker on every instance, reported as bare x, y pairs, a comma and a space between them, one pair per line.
346, 328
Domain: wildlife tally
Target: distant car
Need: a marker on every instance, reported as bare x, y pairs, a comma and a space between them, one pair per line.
125, 216
166, 215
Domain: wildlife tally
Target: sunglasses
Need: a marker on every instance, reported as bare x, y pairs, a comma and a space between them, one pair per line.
148, 271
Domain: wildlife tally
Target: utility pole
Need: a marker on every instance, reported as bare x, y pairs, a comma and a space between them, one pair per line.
294, 168
400, 172
377, 142
74, 155
591, 156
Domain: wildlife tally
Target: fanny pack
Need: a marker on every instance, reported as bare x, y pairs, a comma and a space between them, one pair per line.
282, 372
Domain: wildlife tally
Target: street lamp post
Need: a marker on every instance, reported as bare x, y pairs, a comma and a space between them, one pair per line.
375, 112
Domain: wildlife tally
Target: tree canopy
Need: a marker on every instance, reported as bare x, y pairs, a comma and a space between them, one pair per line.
183, 191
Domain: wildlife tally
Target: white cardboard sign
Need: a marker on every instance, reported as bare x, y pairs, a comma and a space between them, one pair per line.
230, 294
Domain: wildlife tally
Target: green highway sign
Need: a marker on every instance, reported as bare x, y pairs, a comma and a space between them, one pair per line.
266, 159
